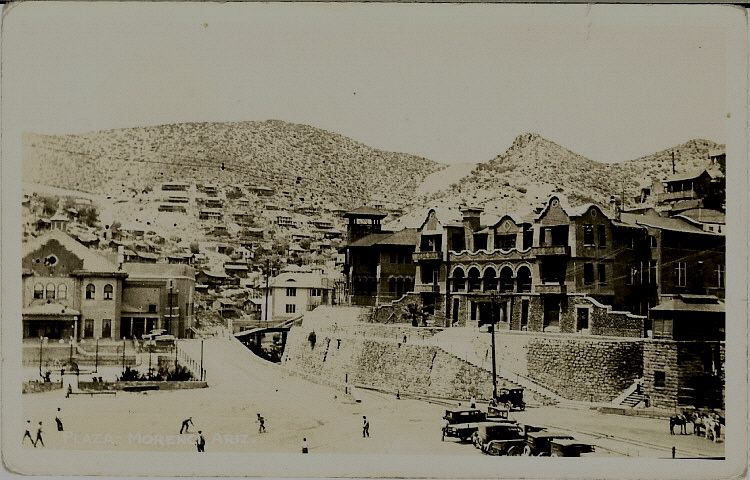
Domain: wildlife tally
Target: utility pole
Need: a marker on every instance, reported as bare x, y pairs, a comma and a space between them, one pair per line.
71, 350
169, 302
123, 355
201, 360
673, 169
268, 272
492, 330
96, 358
41, 347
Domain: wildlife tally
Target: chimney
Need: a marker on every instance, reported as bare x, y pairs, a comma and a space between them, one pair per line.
120, 256
470, 219
614, 210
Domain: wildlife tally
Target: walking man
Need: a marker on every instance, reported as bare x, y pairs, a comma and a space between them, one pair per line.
261, 424
445, 429
186, 425
58, 421
365, 427
304, 445
39, 435
27, 433
70, 391
200, 442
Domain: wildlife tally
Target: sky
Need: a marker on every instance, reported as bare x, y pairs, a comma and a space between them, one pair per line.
453, 83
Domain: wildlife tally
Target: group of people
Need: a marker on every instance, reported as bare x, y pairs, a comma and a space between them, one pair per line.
39, 439
708, 424
200, 440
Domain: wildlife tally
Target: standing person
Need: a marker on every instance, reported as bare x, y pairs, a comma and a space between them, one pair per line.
304, 445
445, 428
70, 391
27, 433
473, 402
58, 421
186, 425
365, 427
200, 442
39, 435
717, 429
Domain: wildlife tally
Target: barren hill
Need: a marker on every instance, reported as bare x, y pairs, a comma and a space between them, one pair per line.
308, 162
533, 167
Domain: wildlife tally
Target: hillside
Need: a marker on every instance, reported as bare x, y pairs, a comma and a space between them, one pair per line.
309, 163
534, 167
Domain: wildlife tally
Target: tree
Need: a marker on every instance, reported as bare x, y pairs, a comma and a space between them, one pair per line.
195, 248
49, 205
89, 216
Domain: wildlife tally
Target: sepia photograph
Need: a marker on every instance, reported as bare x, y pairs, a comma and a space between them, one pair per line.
374, 240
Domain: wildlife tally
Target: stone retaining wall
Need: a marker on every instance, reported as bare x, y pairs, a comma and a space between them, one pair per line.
387, 365
587, 369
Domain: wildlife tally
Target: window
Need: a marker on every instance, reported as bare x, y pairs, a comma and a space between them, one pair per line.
632, 275
88, 328
588, 273
473, 311
582, 319
652, 270
90, 291
50, 294
108, 292
393, 258
681, 272
316, 292
152, 308
291, 292
602, 234
106, 328
652, 241
720, 276
290, 308
505, 242
660, 378
588, 235
38, 291
62, 291
602, 270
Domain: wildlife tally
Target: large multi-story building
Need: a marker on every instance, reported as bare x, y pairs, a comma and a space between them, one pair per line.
70, 290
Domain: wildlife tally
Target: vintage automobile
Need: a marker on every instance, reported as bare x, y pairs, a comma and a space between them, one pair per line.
462, 423
511, 398
538, 443
511, 445
495, 430
569, 448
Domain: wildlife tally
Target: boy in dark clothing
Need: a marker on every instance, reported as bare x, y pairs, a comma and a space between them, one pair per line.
186, 425
201, 442
365, 427
27, 433
58, 421
39, 435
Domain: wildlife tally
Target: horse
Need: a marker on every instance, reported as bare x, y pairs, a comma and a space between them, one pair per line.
699, 424
681, 420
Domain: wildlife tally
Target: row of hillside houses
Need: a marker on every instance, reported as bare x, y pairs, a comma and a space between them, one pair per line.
71, 291
533, 270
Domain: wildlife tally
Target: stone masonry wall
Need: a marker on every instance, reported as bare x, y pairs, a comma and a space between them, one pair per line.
584, 368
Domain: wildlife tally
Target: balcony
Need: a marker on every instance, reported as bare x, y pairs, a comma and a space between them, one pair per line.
671, 196
426, 256
551, 250
551, 288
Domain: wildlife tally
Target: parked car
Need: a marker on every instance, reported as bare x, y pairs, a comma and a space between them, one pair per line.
495, 430
462, 423
569, 448
509, 446
538, 443
512, 398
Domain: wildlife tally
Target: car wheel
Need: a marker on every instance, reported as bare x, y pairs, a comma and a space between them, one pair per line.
527, 450
514, 451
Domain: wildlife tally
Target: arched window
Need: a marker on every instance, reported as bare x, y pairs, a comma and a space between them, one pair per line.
459, 282
50, 294
38, 291
523, 278
490, 279
475, 283
90, 291
62, 291
108, 292
506, 279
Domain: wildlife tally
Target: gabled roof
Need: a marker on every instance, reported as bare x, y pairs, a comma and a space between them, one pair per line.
690, 303
158, 270
92, 261
299, 280
679, 177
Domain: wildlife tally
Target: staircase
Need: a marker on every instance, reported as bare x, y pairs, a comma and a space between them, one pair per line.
633, 399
